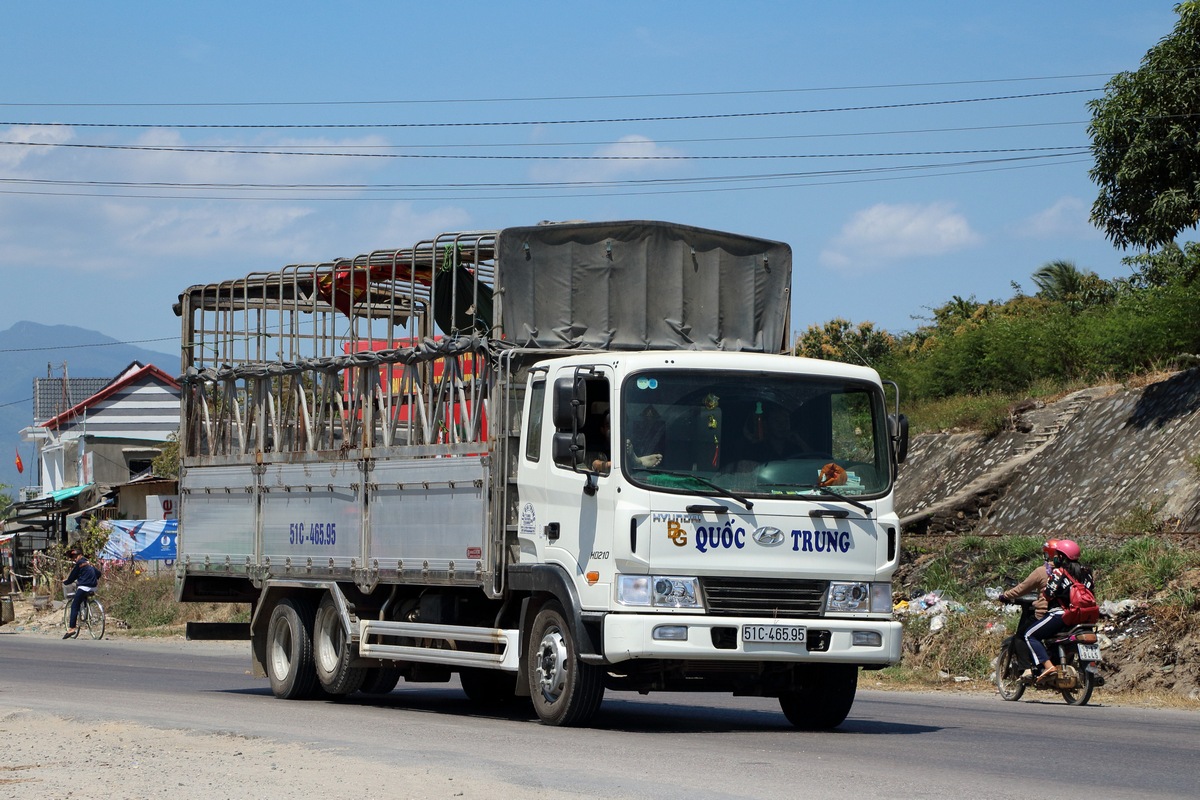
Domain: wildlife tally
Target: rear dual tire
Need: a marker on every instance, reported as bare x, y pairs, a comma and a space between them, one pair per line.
331, 652
289, 652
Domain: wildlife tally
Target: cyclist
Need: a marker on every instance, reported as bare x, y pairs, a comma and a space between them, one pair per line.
86, 578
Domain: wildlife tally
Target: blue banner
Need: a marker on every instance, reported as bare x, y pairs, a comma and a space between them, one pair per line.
144, 540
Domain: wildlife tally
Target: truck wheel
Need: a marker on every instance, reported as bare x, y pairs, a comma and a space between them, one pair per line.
289, 649
488, 687
331, 651
379, 680
824, 700
565, 691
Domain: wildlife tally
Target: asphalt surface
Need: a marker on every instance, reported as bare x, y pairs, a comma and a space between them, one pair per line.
894, 744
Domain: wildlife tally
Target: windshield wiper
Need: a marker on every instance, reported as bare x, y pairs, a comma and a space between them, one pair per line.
821, 490
720, 491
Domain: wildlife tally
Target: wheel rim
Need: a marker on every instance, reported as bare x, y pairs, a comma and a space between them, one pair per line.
551, 667
1008, 674
96, 629
281, 652
328, 645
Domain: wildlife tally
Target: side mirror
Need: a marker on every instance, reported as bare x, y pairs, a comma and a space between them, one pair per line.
898, 428
568, 449
570, 404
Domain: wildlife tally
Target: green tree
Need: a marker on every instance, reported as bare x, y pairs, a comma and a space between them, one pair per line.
166, 463
1058, 280
1146, 143
842, 340
1170, 265
1063, 282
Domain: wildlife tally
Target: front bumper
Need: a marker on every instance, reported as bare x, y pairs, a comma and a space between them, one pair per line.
630, 636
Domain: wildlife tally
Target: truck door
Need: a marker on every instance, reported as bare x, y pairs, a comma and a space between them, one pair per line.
578, 485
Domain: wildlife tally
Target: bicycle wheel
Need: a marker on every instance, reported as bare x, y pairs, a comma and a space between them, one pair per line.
67, 617
95, 618
85, 617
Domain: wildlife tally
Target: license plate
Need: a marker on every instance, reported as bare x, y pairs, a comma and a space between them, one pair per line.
775, 634
1089, 652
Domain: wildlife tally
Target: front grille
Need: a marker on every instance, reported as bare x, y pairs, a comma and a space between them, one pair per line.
763, 597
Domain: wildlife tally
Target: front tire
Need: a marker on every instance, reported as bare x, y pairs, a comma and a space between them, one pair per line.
565, 691
1008, 674
331, 651
825, 699
289, 649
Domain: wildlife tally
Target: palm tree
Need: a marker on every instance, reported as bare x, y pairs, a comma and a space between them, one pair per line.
1060, 281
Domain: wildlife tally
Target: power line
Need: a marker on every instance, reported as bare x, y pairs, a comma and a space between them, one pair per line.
477, 157
274, 149
557, 98
513, 123
639, 187
80, 346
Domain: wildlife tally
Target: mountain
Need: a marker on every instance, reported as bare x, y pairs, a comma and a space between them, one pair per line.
25, 351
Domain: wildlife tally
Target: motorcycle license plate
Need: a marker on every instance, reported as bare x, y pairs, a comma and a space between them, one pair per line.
775, 634
1089, 652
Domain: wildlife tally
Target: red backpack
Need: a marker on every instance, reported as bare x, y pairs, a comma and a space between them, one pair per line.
1079, 606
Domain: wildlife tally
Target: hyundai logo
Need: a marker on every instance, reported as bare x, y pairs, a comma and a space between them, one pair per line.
768, 536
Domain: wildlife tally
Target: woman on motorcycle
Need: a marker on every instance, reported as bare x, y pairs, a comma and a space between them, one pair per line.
1034, 584
1063, 556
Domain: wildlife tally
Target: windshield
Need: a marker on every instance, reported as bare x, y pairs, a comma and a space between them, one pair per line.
754, 434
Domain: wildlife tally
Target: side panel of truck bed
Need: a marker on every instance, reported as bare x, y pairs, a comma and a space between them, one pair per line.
431, 510
312, 511
219, 506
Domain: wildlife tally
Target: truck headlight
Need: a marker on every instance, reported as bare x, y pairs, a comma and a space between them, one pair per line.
858, 597
660, 591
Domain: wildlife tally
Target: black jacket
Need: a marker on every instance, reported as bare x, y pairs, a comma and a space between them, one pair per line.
84, 574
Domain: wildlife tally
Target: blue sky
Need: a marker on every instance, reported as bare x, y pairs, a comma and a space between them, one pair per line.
869, 136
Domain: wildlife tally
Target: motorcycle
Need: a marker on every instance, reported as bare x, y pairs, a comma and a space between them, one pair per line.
1075, 650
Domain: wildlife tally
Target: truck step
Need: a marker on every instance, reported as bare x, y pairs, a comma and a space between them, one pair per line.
433, 642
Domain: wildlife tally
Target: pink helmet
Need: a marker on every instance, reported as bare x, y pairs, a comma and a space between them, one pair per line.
1068, 548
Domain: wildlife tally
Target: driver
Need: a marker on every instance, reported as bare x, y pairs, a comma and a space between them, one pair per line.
771, 436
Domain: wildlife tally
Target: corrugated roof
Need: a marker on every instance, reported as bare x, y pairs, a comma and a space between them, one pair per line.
48, 395
68, 493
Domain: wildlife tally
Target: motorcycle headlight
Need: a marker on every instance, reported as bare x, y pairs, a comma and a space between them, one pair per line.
660, 591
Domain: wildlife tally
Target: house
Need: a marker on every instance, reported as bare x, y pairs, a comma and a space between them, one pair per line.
110, 437
91, 445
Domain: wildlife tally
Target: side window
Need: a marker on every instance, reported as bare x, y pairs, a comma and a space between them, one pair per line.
533, 435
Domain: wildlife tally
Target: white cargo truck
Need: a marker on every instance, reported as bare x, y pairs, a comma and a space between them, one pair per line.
554, 460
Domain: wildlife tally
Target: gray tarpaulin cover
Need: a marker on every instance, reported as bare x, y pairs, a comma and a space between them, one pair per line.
642, 286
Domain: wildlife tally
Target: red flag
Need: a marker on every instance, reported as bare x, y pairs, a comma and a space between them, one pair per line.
20, 463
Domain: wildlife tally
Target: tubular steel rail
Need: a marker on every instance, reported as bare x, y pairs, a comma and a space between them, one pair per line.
342, 355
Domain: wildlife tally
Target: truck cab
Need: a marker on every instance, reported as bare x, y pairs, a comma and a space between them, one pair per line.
722, 518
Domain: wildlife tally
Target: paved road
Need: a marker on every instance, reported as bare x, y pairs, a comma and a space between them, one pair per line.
662, 746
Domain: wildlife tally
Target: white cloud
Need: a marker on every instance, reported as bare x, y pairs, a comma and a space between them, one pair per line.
630, 156
1068, 217
13, 156
886, 233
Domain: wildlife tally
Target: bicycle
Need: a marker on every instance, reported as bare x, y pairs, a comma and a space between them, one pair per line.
91, 616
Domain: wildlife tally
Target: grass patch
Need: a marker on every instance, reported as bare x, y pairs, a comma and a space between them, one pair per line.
987, 412
145, 604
